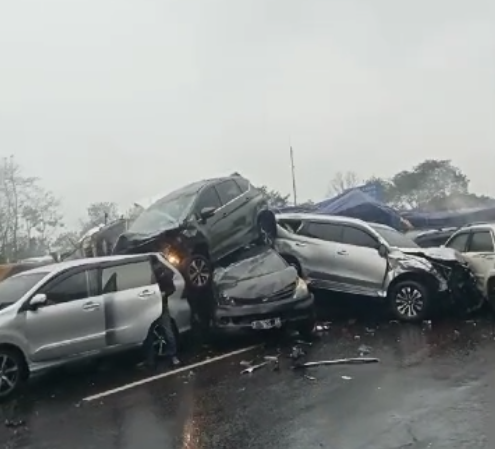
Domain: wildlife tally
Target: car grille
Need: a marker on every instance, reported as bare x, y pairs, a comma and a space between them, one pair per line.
285, 293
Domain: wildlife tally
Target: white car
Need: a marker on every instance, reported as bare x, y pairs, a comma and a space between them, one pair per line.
68, 311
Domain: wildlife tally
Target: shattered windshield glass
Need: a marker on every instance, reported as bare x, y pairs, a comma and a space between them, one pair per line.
395, 238
165, 212
14, 288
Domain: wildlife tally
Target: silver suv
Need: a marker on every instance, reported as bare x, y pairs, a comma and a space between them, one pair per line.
347, 255
76, 309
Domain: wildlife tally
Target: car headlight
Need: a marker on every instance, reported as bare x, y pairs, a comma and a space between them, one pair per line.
301, 288
225, 300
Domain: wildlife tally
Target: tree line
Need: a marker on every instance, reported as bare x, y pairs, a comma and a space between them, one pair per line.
32, 223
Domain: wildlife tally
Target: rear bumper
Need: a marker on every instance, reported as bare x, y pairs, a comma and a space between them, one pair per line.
241, 317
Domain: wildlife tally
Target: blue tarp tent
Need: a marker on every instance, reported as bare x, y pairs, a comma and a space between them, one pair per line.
449, 218
357, 204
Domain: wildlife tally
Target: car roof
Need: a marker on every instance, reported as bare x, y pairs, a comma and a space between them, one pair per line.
478, 226
328, 218
61, 266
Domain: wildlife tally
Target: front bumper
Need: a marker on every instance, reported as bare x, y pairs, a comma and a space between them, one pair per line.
240, 317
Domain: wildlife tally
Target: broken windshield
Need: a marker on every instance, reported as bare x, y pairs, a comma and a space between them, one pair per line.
164, 213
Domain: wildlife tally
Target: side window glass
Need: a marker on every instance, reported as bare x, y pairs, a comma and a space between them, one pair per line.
358, 237
208, 198
126, 277
242, 183
75, 287
228, 190
324, 231
459, 242
481, 242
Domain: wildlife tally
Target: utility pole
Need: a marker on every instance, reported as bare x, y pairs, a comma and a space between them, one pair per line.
293, 169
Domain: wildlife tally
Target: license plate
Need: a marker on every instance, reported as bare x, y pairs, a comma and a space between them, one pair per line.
266, 324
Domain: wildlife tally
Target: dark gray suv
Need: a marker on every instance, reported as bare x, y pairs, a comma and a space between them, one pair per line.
200, 224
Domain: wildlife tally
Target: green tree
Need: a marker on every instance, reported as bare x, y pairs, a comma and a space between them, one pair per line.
275, 199
100, 213
343, 181
427, 184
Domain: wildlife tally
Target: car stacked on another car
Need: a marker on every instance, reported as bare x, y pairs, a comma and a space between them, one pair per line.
201, 224
347, 255
72, 310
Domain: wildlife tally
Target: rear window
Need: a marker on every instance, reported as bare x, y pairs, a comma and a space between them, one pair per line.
481, 242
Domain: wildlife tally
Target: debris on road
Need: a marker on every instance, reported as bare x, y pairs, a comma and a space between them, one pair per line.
322, 327
296, 353
252, 368
349, 361
364, 350
346, 377
310, 378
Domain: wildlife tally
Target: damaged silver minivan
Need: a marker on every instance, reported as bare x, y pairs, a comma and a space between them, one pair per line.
347, 255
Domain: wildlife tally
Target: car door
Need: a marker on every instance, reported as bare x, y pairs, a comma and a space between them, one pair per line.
211, 227
236, 224
480, 253
132, 301
320, 261
361, 268
71, 323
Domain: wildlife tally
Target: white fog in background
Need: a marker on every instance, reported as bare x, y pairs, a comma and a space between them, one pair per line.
117, 100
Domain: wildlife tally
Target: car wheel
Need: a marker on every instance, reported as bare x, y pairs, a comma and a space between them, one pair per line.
13, 372
307, 326
267, 231
410, 301
198, 272
158, 340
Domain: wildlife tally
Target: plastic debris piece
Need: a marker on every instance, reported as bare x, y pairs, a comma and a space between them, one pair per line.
364, 350
346, 377
350, 361
253, 368
271, 358
245, 363
296, 353
302, 342
311, 378
13, 424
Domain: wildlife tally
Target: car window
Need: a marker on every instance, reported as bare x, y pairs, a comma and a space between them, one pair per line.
459, 242
324, 231
127, 277
77, 286
14, 288
228, 190
208, 198
242, 183
481, 241
358, 237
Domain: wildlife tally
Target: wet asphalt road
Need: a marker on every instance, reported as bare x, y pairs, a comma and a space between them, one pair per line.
433, 388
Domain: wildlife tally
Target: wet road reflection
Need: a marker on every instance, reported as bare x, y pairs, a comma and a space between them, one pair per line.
432, 388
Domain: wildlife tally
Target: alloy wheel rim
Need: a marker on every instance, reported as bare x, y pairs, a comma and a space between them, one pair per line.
198, 272
409, 302
159, 340
265, 236
9, 374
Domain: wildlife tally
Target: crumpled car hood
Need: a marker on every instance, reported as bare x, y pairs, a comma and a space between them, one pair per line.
439, 254
130, 241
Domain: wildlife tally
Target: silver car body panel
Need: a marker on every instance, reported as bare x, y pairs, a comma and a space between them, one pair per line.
57, 334
348, 268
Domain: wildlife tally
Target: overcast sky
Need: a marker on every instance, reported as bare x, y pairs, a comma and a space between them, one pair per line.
122, 99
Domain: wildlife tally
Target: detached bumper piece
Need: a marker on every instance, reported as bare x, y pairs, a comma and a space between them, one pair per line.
264, 316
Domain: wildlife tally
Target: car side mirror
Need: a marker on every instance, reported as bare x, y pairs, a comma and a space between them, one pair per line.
37, 301
207, 212
382, 250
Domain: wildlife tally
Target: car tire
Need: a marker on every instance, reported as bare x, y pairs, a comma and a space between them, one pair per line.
267, 230
198, 272
307, 326
409, 301
13, 372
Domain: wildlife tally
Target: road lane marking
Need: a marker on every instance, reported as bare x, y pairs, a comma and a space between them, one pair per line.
167, 374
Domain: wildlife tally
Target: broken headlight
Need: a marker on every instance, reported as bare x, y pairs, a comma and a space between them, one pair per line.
225, 300
301, 289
